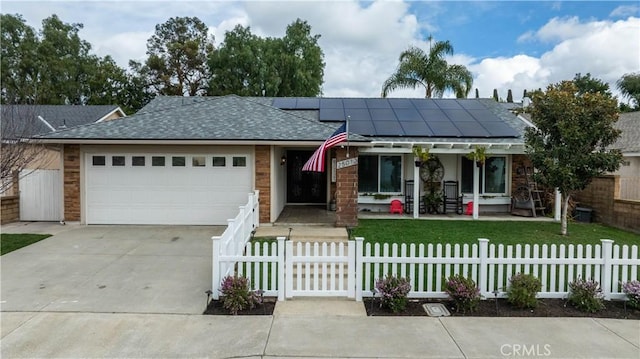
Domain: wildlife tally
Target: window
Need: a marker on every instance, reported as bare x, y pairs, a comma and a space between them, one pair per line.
98, 160
239, 161
380, 173
219, 161
493, 175
117, 161
137, 161
178, 161
198, 161
157, 161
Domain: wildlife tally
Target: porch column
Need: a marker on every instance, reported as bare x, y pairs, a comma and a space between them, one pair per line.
416, 192
557, 206
263, 181
346, 190
71, 186
476, 190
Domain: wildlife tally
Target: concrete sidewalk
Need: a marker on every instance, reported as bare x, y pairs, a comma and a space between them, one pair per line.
312, 329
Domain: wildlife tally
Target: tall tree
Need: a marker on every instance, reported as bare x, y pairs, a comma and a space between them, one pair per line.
569, 144
629, 85
509, 96
248, 65
495, 95
178, 52
20, 64
588, 84
431, 71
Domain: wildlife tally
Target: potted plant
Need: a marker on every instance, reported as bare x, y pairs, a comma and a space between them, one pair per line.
421, 155
479, 155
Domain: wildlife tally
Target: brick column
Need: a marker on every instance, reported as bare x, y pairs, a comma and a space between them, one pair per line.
263, 181
71, 182
347, 190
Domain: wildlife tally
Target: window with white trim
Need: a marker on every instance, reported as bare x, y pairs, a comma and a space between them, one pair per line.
493, 175
380, 173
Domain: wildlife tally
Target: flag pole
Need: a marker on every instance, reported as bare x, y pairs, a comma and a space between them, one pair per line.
347, 128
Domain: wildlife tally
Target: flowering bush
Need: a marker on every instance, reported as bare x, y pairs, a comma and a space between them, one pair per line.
237, 295
393, 291
523, 289
586, 295
463, 291
632, 290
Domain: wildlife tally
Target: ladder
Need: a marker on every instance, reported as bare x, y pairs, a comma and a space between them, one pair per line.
534, 192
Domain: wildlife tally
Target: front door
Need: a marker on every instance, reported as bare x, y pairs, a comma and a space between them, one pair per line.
304, 187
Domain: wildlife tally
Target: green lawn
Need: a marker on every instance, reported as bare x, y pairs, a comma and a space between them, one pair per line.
499, 232
11, 242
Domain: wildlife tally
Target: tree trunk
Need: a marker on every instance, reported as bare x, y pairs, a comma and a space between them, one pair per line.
565, 207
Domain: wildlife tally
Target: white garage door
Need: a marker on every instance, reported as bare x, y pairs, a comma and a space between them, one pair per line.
199, 189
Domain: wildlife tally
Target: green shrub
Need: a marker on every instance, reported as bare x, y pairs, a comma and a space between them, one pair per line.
523, 289
393, 291
586, 295
237, 294
463, 291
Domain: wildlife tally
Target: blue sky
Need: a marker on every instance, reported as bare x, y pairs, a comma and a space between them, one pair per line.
506, 44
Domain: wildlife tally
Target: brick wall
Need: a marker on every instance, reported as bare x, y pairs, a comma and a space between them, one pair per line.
71, 182
519, 178
263, 181
347, 190
603, 196
10, 209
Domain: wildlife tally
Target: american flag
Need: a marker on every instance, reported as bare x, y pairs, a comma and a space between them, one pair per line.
316, 162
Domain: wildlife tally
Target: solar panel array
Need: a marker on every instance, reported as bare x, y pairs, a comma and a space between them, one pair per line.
406, 117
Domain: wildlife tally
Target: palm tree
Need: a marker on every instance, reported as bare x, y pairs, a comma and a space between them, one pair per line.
430, 70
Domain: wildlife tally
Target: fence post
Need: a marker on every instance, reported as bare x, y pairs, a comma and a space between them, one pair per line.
215, 268
483, 254
356, 258
289, 269
281, 259
607, 268
255, 207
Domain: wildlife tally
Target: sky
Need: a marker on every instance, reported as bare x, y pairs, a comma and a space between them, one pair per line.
513, 45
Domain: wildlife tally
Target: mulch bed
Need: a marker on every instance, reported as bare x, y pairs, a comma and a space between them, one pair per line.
502, 308
266, 308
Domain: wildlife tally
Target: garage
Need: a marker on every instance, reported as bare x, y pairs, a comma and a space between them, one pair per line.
180, 187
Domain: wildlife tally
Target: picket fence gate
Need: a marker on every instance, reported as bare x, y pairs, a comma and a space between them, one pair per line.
286, 269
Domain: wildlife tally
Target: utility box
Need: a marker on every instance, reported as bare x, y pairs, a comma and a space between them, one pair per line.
583, 214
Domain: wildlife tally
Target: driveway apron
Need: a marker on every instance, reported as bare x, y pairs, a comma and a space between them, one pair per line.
107, 269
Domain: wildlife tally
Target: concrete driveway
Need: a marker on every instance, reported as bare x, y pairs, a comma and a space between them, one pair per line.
110, 269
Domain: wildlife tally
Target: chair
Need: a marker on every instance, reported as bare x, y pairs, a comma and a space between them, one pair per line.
452, 197
395, 206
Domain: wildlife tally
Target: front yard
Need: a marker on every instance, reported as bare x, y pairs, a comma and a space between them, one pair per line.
10, 242
498, 232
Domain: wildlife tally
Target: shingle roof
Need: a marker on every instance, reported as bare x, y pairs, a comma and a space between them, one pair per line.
29, 118
205, 118
629, 140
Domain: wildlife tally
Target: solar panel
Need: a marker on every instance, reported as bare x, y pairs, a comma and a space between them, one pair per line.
416, 128
471, 129
449, 104
357, 114
377, 103
331, 103
499, 129
364, 128
354, 103
332, 114
484, 116
459, 115
388, 128
424, 104
382, 114
433, 115
472, 104
444, 129
288, 103
308, 103
400, 103
408, 115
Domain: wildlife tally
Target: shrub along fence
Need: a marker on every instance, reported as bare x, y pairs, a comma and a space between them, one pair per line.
286, 270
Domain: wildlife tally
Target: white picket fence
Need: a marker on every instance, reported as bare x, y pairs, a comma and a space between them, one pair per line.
233, 240
286, 270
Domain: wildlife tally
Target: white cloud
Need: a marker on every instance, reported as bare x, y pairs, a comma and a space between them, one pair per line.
625, 11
